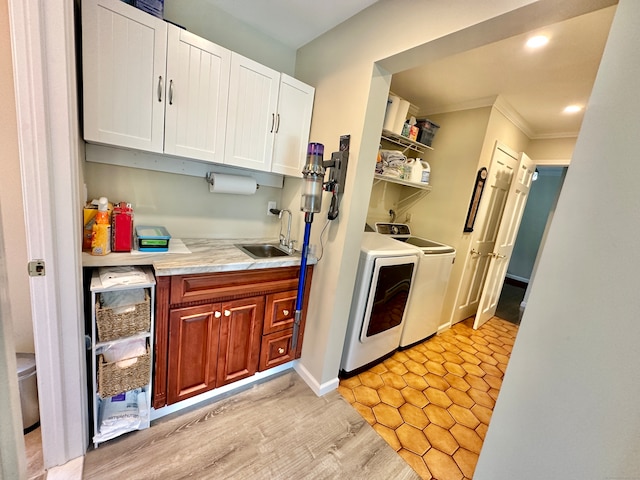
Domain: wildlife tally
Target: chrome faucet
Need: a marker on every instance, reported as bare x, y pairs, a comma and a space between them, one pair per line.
286, 242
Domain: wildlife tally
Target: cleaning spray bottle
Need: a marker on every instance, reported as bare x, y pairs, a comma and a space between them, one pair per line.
101, 231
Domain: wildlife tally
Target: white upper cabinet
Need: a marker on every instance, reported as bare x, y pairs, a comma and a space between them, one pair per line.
124, 52
149, 85
268, 120
251, 120
295, 105
197, 89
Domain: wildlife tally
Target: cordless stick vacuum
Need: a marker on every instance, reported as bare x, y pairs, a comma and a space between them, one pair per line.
311, 202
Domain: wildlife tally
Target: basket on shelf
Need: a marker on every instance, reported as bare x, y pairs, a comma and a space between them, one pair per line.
113, 379
112, 326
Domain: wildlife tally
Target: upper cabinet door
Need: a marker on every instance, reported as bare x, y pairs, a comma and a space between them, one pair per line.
124, 52
293, 121
197, 90
251, 120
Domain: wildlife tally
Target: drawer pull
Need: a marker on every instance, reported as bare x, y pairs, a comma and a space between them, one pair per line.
285, 312
227, 313
280, 350
217, 314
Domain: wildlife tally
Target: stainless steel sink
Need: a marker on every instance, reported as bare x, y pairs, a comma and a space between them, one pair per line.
262, 250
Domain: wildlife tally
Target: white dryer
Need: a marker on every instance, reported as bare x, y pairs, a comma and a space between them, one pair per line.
386, 270
424, 310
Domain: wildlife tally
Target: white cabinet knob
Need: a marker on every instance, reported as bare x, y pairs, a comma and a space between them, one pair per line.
280, 350
227, 313
285, 312
217, 314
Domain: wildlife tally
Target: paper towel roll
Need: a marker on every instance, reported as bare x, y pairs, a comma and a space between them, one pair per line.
401, 115
239, 185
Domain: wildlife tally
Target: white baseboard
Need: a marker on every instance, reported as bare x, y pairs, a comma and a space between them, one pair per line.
318, 389
216, 392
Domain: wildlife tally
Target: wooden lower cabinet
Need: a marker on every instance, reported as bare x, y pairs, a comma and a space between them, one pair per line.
216, 328
193, 351
240, 335
276, 349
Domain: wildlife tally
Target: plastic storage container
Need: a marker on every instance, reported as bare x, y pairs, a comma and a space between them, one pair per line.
152, 239
28, 386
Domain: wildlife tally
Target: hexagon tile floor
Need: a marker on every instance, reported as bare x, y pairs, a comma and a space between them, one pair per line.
432, 402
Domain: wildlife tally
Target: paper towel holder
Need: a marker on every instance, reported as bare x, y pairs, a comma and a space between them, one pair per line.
210, 179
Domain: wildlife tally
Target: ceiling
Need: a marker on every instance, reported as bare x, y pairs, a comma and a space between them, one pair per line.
292, 22
534, 86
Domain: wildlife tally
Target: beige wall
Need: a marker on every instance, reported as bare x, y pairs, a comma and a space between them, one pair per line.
551, 151
568, 406
183, 203
207, 21
11, 200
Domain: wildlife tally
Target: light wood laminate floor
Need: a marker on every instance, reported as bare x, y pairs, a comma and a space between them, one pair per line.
278, 429
432, 402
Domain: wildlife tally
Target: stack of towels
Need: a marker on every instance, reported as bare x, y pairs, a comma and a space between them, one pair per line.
393, 163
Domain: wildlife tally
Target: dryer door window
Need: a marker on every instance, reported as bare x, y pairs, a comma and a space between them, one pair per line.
388, 296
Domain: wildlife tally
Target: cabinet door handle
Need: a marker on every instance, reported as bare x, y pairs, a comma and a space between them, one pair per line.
160, 88
285, 312
217, 314
227, 313
280, 350
277, 122
171, 92
273, 122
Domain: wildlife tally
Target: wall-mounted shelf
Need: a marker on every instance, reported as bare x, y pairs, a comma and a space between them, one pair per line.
404, 142
406, 183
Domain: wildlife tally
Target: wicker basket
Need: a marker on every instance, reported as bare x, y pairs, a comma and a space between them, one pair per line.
112, 326
113, 380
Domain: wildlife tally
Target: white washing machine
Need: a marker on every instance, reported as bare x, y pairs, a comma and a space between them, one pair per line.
386, 271
424, 310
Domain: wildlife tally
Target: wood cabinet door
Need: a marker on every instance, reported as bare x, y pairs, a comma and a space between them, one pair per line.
193, 351
240, 338
293, 122
251, 119
124, 61
197, 92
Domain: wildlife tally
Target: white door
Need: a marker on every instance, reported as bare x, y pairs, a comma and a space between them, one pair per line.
251, 118
503, 163
124, 61
293, 121
197, 93
505, 240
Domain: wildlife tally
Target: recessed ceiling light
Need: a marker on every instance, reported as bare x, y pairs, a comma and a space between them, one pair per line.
537, 41
572, 109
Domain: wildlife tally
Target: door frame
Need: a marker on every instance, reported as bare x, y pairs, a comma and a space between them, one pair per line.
43, 46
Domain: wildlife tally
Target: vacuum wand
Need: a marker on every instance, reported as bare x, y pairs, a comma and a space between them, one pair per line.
313, 175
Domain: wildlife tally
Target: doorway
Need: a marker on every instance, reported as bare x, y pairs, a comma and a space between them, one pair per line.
530, 241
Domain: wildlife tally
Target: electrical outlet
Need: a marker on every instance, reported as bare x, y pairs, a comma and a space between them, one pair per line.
271, 205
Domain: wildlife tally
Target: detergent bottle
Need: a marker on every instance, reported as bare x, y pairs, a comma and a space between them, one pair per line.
421, 172
101, 231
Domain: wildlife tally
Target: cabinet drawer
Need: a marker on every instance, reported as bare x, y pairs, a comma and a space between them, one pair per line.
230, 285
276, 349
279, 312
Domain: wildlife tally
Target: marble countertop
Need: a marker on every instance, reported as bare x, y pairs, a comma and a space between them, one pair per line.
205, 255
